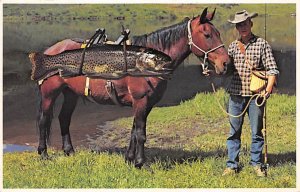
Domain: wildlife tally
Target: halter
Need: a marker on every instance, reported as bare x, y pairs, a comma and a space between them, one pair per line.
204, 64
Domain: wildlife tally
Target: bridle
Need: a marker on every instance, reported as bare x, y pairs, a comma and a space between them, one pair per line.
204, 64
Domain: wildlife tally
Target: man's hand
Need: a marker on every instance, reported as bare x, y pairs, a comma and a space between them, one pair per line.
265, 93
268, 90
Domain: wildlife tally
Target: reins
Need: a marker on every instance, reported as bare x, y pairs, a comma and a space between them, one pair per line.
191, 43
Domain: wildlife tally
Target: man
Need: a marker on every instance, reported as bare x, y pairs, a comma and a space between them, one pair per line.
248, 53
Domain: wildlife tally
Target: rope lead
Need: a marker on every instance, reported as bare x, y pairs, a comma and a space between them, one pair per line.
257, 95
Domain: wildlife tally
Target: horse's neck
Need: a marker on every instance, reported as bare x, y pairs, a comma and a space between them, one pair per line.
178, 52
177, 49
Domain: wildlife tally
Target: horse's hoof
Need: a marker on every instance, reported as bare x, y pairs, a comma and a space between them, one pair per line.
44, 155
69, 151
139, 163
41, 150
128, 160
129, 157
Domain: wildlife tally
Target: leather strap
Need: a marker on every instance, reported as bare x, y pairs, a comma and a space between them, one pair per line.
242, 47
87, 87
112, 93
243, 51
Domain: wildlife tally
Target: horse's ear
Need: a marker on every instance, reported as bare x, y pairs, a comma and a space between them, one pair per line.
210, 17
186, 19
203, 18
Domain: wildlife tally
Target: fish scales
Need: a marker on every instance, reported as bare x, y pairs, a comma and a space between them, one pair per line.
103, 60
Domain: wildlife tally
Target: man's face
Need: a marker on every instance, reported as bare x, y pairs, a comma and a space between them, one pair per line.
244, 28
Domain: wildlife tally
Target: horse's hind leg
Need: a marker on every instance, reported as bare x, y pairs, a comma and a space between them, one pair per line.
45, 118
44, 124
69, 104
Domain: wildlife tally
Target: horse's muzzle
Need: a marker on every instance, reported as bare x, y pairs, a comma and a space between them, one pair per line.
221, 69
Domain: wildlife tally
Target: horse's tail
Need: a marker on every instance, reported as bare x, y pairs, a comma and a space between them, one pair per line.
38, 68
39, 105
40, 115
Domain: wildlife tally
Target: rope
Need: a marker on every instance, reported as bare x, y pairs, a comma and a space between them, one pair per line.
257, 95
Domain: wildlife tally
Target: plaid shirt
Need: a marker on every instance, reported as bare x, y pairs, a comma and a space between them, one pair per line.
259, 55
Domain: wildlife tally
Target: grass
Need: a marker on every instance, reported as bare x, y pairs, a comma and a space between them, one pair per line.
185, 149
149, 11
77, 18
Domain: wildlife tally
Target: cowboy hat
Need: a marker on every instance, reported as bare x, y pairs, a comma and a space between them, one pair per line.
242, 16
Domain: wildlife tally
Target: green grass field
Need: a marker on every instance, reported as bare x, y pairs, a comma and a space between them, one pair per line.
16, 12
185, 148
280, 25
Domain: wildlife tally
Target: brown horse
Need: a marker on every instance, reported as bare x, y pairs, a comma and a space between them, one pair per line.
198, 36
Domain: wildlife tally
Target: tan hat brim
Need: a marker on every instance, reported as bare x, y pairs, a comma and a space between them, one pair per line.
251, 15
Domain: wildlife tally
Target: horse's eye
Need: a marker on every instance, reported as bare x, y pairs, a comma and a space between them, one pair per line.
207, 35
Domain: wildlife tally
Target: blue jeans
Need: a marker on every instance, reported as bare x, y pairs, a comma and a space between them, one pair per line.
236, 106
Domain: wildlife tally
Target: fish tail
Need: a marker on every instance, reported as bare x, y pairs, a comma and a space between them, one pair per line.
37, 63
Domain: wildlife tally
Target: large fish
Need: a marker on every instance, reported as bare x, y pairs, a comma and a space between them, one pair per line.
106, 61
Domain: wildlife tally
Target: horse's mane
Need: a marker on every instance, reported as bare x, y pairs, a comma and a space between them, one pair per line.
164, 37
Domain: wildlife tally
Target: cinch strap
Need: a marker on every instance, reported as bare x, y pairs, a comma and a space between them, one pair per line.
87, 87
112, 93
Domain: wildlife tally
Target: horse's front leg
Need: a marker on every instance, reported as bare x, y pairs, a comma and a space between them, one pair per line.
69, 104
130, 154
141, 111
140, 124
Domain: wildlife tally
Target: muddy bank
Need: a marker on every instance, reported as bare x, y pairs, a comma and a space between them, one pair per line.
19, 118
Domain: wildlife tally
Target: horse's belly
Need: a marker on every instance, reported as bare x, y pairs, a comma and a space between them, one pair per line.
100, 92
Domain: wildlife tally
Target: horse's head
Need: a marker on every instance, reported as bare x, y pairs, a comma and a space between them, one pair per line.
205, 41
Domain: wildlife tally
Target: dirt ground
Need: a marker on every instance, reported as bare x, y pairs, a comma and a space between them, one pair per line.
19, 119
